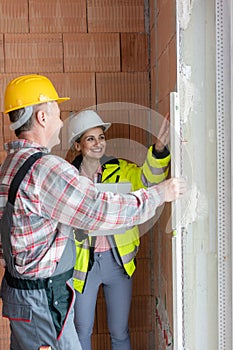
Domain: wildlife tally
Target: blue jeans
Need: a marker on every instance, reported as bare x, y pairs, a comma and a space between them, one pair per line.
117, 287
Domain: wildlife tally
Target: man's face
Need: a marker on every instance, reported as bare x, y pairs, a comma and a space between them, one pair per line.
54, 124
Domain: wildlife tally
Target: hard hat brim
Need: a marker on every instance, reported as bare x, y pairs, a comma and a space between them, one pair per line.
58, 100
63, 99
106, 126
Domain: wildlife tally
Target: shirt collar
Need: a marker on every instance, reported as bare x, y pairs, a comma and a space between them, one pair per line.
14, 146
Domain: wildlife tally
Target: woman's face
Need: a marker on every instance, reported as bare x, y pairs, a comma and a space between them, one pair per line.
92, 143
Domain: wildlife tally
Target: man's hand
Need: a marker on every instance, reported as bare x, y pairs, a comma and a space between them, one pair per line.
173, 188
164, 134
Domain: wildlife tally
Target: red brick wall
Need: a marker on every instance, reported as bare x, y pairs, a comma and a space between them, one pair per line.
96, 52
163, 81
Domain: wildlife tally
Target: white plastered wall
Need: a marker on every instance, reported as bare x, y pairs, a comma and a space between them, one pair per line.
199, 241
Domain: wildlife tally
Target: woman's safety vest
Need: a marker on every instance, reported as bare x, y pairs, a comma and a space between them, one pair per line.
125, 246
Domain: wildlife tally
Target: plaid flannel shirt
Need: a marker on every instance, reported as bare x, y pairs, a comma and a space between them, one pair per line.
53, 199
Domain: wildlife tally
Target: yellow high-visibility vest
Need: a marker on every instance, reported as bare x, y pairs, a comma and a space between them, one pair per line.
126, 245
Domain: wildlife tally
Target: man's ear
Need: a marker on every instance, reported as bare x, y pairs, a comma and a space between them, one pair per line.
41, 117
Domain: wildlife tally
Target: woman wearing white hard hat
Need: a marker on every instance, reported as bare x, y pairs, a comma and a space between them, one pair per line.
109, 260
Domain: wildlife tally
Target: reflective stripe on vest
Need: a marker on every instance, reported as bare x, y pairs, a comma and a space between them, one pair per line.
129, 257
79, 275
152, 176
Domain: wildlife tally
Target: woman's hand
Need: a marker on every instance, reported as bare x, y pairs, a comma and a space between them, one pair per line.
164, 134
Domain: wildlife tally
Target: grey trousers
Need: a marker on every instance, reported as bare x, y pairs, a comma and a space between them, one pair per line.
117, 287
31, 321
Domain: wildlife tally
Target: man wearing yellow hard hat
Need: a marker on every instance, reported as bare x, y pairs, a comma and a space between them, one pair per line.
42, 201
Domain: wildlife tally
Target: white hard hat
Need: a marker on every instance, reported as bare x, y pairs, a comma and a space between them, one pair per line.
79, 123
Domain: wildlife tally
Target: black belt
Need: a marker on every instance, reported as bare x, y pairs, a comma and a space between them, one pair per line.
40, 283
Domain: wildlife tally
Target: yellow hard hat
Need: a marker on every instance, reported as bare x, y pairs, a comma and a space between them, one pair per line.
28, 90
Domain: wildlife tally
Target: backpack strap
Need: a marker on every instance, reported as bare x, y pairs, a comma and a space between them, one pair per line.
20, 175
